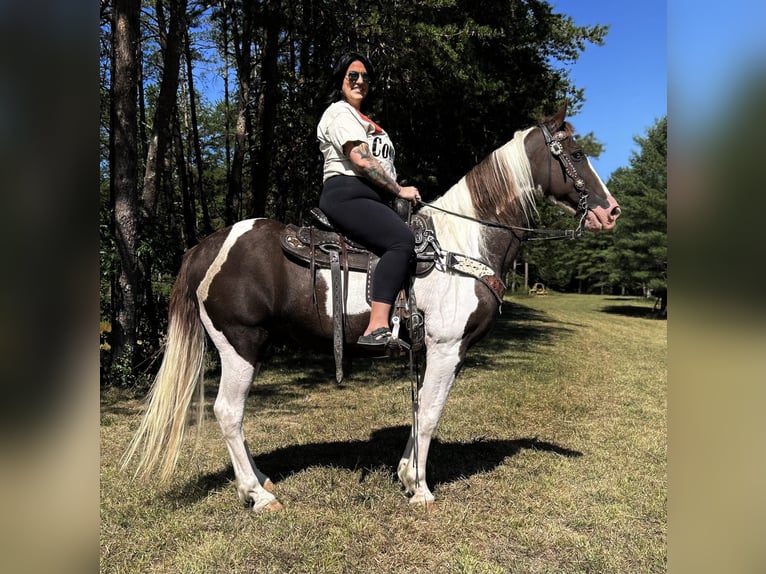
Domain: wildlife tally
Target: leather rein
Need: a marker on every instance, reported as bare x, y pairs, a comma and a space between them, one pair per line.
553, 141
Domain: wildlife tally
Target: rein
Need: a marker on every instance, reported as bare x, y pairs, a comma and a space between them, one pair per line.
557, 150
564, 233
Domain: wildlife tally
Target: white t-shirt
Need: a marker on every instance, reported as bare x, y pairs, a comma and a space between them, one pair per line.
341, 124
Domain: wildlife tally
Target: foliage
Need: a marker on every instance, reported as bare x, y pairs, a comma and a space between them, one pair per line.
640, 242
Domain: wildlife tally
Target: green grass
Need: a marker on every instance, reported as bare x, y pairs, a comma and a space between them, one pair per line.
550, 458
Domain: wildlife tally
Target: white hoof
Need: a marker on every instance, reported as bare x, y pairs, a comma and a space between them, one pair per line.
422, 497
273, 506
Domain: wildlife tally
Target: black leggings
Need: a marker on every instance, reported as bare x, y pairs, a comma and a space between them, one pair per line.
358, 211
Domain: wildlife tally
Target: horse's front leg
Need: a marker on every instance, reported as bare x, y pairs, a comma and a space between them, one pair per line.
442, 365
253, 487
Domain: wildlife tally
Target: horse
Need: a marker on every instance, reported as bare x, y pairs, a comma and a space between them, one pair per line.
238, 288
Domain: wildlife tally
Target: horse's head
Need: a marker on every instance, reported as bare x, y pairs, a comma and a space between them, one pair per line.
562, 170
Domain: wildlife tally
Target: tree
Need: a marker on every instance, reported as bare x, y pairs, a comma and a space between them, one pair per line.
640, 240
123, 159
171, 43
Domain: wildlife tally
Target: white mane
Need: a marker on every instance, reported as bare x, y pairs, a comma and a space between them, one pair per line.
500, 189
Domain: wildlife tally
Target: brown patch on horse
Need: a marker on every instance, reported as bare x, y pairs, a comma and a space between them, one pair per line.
489, 184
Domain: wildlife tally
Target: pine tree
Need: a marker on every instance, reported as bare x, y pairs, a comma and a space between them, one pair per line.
640, 240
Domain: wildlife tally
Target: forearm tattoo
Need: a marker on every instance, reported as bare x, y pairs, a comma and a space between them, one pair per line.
372, 169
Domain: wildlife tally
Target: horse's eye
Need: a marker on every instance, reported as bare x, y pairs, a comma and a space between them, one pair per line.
578, 155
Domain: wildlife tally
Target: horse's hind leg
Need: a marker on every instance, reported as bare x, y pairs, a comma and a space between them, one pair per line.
253, 487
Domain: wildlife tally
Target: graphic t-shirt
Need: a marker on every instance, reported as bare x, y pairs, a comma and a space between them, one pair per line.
341, 124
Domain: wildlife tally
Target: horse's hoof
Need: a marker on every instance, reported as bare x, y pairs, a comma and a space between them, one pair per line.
268, 486
427, 505
273, 506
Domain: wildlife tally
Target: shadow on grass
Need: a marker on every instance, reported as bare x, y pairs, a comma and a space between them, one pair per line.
640, 311
452, 460
519, 331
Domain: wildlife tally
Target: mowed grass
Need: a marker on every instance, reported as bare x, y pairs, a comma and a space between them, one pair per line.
550, 458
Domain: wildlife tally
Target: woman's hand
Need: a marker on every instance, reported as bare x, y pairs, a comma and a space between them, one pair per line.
410, 193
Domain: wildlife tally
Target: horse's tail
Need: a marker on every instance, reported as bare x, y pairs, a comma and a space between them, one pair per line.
159, 437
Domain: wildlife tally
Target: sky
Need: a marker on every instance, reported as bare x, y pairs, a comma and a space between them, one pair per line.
625, 79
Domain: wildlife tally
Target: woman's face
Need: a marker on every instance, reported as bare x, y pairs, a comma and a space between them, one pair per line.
354, 92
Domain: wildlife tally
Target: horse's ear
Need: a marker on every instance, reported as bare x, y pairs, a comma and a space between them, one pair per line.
554, 122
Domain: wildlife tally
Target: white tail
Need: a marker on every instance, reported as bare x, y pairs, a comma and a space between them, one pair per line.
159, 437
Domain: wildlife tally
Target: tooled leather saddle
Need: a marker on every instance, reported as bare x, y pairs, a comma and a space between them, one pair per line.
319, 244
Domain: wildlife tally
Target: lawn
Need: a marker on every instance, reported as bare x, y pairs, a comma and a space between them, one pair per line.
550, 458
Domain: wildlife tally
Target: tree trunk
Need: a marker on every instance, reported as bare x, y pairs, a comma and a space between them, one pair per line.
526, 277
241, 42
267, 109
124, 163
171, 44
207, 226
228, 212
187, 201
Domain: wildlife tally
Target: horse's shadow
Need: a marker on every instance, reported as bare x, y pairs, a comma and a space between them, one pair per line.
381, 451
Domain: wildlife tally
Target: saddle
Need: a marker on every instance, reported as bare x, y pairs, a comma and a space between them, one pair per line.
319, 245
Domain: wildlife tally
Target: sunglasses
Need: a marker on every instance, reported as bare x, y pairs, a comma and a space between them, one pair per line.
353, 77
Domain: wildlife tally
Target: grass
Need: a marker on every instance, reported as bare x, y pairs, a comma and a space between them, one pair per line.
550, 458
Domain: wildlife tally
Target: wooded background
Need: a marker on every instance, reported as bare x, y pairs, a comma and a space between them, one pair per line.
209, 113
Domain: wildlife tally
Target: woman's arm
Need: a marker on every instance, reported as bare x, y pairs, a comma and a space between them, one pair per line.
366, 165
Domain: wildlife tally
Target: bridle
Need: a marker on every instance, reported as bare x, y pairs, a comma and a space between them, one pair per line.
553, 141
554, 144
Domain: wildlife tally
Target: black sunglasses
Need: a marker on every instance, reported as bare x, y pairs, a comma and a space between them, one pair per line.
353, 76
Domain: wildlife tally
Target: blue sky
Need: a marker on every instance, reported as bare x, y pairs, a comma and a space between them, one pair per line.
625, 80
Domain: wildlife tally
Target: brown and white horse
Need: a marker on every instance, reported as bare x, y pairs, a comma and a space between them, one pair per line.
239, 288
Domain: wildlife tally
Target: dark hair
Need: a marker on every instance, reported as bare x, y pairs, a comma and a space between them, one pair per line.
339, 75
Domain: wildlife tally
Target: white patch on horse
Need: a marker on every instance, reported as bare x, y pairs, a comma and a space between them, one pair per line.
448, 301
357, 292
456, 234
598, 177
237, 230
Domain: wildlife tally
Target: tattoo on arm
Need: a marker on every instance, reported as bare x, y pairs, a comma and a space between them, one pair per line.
371, 168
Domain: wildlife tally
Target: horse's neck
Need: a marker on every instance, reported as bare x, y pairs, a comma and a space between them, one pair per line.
501, 247
497, 247
454, 226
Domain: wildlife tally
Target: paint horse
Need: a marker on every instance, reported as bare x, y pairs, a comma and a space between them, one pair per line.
240, 288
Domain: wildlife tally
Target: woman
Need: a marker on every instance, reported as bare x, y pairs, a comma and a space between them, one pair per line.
359, 180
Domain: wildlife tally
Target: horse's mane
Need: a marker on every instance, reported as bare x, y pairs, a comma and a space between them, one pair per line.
499, 189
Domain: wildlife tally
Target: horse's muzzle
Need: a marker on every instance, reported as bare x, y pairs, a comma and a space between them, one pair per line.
603, 218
